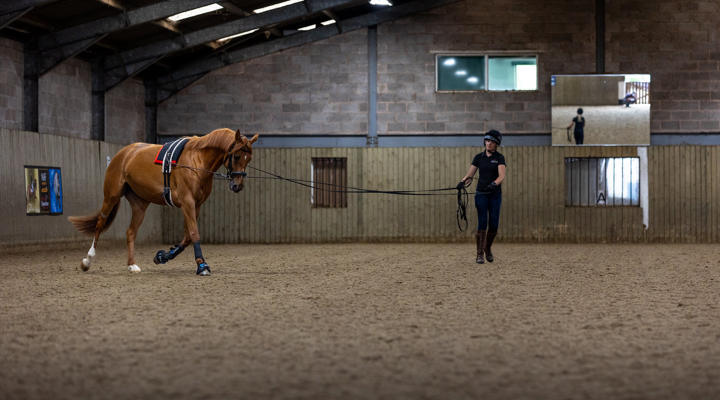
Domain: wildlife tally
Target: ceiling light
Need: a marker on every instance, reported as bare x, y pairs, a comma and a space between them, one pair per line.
460, 72
380, 2
236, 35
328, 22
473, 80
194, 12
277, 5
307, 28
449, 62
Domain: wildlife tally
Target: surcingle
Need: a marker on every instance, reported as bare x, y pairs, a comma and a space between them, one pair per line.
168, 157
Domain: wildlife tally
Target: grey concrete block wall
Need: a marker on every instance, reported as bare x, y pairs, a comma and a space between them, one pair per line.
125, 113
319, 88
678, 43
65, 100
11, 84
562, 34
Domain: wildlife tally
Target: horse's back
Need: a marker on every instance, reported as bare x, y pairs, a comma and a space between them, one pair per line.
135, 153
134, 165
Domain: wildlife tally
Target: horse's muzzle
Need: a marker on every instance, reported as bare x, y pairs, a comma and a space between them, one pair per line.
236, 187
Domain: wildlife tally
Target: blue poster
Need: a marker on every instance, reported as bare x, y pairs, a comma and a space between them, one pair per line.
56, 196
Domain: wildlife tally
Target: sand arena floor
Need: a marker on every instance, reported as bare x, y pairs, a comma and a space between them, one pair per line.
364, 321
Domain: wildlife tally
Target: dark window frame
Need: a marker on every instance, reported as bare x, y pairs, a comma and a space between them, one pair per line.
328, 180
485, 81
587, 182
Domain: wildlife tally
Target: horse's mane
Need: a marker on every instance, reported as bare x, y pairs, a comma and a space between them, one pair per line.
217, 139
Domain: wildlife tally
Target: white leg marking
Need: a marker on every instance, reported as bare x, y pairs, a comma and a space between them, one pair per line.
88, 260
133, 268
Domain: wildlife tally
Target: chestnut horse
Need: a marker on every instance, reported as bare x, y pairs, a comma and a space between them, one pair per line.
133, 174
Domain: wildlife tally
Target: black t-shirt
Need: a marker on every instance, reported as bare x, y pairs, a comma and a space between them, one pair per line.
487, 168
579, 124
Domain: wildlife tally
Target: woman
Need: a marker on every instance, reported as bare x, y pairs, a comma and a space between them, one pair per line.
490, 165
579, 122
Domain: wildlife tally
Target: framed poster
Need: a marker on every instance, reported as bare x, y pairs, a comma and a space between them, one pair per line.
43, 190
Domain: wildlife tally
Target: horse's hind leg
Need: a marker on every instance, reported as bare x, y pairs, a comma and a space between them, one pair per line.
139, 206
102, 221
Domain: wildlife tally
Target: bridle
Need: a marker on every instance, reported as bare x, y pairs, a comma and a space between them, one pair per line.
229, 173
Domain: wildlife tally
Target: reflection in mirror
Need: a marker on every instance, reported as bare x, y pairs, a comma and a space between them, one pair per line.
600, 109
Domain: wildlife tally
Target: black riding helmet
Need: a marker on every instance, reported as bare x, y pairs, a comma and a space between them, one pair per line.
494, 135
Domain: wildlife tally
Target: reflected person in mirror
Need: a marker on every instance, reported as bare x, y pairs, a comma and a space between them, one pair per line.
490, 166
630, 98
579, 131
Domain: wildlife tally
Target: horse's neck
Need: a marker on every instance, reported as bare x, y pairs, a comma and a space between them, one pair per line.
215, 160
214, 151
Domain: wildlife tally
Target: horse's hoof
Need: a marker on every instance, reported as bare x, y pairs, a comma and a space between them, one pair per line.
133, 268
203, 269
85, 264
161, 257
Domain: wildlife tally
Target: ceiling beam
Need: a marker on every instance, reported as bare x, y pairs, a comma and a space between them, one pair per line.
7, 19
113, 3
202, 36
59, 46
234, 8
117, 65
8, 7
163, 23
173, 82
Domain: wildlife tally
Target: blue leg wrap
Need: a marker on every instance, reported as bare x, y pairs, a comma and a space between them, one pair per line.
198, 251
162, 256
175, 250
203, 268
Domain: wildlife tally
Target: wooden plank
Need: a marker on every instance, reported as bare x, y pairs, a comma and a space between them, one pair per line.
508, 227
558, 188
714, 197
685, 198
653, 216
704, 213
663, 187
697, 165
715, 202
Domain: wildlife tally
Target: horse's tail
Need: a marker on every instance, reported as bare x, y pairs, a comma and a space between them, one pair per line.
88, 224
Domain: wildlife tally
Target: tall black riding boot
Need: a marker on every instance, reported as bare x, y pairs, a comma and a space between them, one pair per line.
488, 244
480, 241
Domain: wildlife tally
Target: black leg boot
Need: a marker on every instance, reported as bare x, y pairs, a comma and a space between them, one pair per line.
488, 244
480, 242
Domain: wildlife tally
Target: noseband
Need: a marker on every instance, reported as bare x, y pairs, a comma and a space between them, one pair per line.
230, 174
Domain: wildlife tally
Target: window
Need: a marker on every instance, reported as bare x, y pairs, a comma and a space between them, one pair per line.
328, 179
602, 181
486, 72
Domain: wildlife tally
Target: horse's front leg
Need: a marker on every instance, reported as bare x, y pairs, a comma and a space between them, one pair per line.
162, 256
191, 227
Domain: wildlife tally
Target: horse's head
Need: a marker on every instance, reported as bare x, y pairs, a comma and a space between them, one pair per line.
238, 157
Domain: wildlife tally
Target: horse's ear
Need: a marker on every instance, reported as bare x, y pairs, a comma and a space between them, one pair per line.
254, 138
238, 136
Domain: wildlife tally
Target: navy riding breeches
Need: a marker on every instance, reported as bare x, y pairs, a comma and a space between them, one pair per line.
488, 208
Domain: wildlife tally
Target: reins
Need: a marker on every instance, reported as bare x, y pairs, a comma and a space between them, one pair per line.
462, 194
349, 189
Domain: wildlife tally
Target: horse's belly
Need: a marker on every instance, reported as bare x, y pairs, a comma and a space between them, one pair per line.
151, 193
